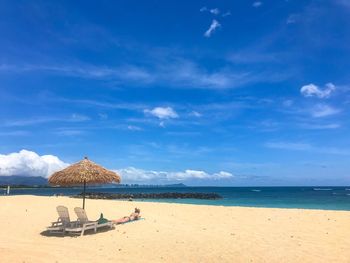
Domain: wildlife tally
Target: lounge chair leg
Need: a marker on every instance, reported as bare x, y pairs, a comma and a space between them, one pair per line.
82, 231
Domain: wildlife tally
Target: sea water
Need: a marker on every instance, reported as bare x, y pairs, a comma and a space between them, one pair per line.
329, 198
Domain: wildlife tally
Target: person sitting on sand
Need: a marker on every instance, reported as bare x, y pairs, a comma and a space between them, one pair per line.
133, 216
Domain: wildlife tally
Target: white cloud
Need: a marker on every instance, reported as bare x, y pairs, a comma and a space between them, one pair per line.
132, 174
188, 174
215, 11
214, 25
203, 9
311, 90
323, 110
162, 113
223, 174
195, 174
28, 163
257, 4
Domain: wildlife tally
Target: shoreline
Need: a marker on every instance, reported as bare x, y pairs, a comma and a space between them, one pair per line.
163, 201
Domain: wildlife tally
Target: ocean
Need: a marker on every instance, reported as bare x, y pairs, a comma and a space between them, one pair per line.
327, 198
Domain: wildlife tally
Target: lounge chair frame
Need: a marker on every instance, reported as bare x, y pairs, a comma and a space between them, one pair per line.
84, 223
63, 221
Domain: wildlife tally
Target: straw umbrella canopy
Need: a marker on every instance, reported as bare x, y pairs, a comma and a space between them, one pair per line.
83, 173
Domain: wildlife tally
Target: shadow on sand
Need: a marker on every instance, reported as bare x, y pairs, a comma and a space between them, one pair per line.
46, 233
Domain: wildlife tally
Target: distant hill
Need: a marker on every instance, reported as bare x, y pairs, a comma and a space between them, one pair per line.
143, 185
175, 185
19, 180
22, 180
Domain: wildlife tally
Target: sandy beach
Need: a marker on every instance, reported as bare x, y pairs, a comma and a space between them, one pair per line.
174, 233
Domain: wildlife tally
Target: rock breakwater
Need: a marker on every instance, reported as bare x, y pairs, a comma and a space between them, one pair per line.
170, 195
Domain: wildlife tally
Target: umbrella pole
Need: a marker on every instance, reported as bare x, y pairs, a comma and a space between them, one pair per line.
84, 195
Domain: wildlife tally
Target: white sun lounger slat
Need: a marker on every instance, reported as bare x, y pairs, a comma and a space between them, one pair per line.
85, 224
62, 222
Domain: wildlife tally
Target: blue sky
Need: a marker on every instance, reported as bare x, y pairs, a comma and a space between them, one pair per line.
201, 92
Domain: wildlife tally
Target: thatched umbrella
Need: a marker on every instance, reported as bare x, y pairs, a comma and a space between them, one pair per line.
82, 173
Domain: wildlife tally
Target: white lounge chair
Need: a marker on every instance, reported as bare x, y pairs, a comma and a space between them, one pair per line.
85, 224
62, 222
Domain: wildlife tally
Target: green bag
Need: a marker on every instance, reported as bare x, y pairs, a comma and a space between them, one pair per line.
102, 220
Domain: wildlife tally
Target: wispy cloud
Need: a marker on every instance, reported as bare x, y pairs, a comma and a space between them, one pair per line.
215, 11
344, 3
176, 72
254, 57
103, 116
126, 72
293, 18
134, 128
195, 114
311, 90
288, 146
228, 13
125, 127
78, 118
306, 147
69, 132
14, 133
195, 76
288, 103
170, 69
102, 104
40, 120
257, 4
330, 126
323, 110
212, 28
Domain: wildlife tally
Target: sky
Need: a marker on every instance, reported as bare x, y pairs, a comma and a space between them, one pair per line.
226, 93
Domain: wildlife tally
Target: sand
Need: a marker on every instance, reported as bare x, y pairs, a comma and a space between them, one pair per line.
174, 233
